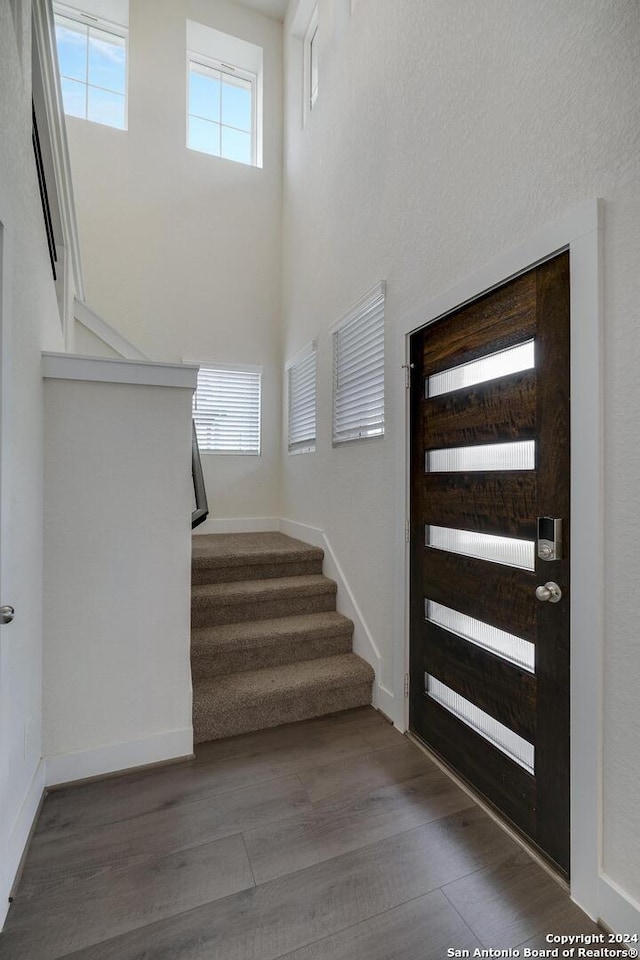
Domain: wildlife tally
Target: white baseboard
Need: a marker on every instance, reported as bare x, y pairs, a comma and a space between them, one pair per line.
385, 701
302, 531
238, 525
171, 745
18, 838
619, 912
363, 643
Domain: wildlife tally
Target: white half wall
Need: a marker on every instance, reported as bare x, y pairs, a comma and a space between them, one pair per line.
117, 560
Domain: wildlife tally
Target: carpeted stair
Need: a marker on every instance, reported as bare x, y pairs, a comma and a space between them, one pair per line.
267, 646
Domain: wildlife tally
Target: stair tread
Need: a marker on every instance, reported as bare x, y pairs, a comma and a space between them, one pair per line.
238, 689
247, 632
267, 645
237, 549
253, 590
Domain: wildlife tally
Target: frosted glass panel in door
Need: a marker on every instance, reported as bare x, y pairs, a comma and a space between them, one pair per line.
496, 641
520, 455
510, 743
484, 546
494, 365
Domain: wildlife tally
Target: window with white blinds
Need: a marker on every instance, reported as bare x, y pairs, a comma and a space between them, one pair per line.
302, 391
226, 409
358, 370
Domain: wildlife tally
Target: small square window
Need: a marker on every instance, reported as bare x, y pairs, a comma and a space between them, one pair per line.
226, 409
222, 111
92, 58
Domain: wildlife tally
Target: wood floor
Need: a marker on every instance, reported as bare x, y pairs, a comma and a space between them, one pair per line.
331, 839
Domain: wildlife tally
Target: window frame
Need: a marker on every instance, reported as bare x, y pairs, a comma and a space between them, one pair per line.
310, 93
229, 70
308, 444
374, 300
89, 21
213, 366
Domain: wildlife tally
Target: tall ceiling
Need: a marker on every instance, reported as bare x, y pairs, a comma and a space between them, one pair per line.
272, 8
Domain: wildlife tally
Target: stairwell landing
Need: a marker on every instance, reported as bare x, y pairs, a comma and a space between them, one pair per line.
267, 645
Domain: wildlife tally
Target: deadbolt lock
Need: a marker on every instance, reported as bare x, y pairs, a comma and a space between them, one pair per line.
549, 538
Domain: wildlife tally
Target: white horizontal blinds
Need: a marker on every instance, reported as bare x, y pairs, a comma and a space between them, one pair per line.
226, 410
302, 384
358, 372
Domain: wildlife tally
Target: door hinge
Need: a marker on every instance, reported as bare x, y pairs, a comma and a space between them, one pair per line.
407, 367
407, 531
406, 684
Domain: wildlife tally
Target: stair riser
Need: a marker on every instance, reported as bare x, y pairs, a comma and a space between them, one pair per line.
205, 612
280, 710
202, 573
218, 663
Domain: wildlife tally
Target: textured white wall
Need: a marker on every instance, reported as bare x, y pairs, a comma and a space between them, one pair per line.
117, 543
87, 344
444, 134
30, 320
181, 251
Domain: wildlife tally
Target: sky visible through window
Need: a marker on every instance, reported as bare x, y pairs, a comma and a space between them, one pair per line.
92, 72
220, 113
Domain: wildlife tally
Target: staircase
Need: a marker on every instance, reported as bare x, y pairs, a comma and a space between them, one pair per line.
267, 646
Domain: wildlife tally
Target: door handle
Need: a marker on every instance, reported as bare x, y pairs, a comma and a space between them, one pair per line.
550, 592
6, 614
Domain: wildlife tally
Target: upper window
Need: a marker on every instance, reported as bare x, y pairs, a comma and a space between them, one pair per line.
224, 112
358, 370
92, 55
311, 63
226, 409
222, 106
301, 392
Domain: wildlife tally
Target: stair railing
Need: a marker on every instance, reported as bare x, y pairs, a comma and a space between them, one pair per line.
201, 512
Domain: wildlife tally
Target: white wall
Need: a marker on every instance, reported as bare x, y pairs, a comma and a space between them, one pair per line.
87, 344
29, 320
443, 136
117, 509
181, 251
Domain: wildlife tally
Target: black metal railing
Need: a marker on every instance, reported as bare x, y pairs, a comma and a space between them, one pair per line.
201, 512
44, 194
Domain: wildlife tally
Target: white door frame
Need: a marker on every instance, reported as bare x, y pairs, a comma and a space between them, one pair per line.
579, 231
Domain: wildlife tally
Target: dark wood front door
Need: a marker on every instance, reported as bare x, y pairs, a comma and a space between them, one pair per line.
489, 680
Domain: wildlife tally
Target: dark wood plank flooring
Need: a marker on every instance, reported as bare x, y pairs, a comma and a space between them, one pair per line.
332, 839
